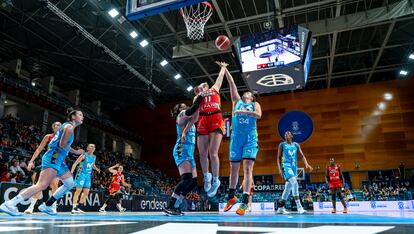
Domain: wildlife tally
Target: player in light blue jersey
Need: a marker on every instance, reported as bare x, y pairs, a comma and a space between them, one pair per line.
243, 143
85, 163
287, 161
52, 165
183, 153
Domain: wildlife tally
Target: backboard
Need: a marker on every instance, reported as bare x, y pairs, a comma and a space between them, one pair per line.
138, 9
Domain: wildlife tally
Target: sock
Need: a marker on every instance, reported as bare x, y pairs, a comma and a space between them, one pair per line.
119, 206
245, 198
104, 206
32, 204
172, 202
51, 200
298, 204
16, 200
75, 205
215, 179
232, 191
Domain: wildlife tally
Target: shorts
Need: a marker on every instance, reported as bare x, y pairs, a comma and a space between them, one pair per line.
243, 146
53, 158
289, 171
335, 184
113, 189
184, 152
83, 180
210, 123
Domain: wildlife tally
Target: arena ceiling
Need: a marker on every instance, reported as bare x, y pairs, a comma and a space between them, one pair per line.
348, 50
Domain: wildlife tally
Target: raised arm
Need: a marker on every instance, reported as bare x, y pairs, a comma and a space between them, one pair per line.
112, 169
75, 164
37, 152
304, 158
233, 88
220, 77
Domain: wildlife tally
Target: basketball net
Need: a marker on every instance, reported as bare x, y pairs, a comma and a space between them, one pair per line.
195, 18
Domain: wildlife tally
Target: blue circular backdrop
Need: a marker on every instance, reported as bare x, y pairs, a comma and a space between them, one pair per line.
299, 123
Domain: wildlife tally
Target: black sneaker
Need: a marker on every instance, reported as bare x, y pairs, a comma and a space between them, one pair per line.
179, 211
170, 212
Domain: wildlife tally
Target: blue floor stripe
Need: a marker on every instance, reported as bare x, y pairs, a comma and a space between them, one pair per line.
215, 217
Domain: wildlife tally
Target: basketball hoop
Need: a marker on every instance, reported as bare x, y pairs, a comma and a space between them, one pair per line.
195, 17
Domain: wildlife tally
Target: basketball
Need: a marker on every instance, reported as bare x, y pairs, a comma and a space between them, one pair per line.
222, 42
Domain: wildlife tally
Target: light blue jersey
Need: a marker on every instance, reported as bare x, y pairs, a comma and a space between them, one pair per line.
185, 151
289, 159
83, 174
243, 139
243, 124
191, 134
55, 156
86, 165
54, 143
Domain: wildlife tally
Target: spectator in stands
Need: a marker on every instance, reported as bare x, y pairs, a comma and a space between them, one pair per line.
5, 176
16, 168
23, 165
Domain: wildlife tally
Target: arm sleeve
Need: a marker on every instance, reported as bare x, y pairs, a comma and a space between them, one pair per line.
190, 111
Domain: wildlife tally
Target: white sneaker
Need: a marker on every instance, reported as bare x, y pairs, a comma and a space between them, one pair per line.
207, 183
282, 210
122, 210
54, 207
214, 188
102, 210
301, 210
9, 209
47, 209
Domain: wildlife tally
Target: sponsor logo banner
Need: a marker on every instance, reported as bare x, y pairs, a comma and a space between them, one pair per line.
367, 206
9, 190
256, 207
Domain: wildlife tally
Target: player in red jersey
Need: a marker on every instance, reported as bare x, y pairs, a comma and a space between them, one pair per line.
117, 179
335, 179
55, 182
210, 130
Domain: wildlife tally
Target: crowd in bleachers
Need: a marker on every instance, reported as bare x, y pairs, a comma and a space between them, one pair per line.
382, 191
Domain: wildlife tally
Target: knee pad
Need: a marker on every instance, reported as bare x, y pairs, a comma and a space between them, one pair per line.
295, 186
286, 192
186, 180
68, 183
334, 196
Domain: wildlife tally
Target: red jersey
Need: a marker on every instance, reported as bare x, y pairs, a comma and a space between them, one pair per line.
211, 102
333, 173
117, 178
